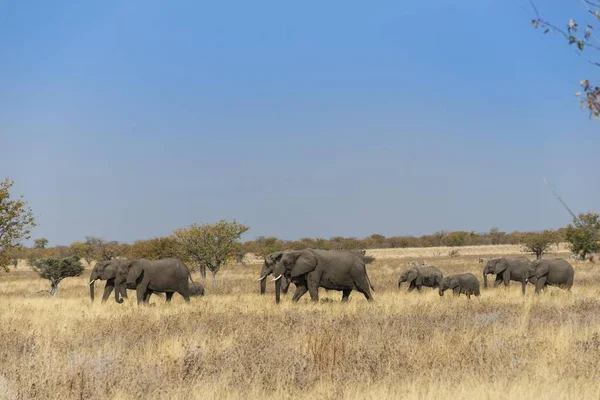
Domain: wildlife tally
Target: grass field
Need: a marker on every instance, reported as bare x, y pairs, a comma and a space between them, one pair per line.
234, 343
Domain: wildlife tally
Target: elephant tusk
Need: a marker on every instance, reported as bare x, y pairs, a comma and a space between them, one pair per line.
92, 281
261, 278
276, 279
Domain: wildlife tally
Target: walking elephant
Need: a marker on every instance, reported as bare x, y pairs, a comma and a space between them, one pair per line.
421, 276
267, 269
556, 272
311, 269
506, 270
461, 284
106, 271
169, 275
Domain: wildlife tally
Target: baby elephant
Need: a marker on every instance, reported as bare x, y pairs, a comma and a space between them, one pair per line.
421, 276
461, 283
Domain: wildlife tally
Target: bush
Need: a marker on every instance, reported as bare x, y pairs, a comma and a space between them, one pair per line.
56, 269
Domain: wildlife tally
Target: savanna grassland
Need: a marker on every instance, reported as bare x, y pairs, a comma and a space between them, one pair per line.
234, 343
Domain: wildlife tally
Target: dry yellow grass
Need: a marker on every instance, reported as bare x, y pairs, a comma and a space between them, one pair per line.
234, 343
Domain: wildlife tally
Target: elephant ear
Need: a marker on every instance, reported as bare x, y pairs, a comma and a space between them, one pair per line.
305, 263
135, 271
412, 275
453, 283
501, 266
541, 269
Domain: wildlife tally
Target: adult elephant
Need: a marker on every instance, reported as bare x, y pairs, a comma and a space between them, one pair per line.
421, 276
106, 271
556, 272
267, 269
506, 270
169, 275
311, 269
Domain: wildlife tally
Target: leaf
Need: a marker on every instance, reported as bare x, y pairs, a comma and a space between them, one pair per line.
572, 39
535, 23
585, 83
597, 14
580, 45
572, 25
547, 30
588, 32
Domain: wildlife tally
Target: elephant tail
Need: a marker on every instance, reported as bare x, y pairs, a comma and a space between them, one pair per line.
368, 280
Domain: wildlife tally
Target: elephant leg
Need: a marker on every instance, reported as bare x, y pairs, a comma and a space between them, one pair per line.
468, 295
346, 295
147, 295
498, 281
300, 291
540, 284
419, 288
456, 292
313, 289
411, 287
506, 278
108, 288
523, 286
169, 296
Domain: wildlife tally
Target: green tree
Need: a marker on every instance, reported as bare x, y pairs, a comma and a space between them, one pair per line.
56, 269
496, 236
40, 243
538, 243
581, 37
210, 246
16, 222
155, 248
267, 244
582, 234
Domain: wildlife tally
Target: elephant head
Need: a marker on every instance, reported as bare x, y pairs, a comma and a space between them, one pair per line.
537, 269
267, 269
100, 271
196, 289
293, 264
408, 275
450, 282
494, 266
128, 274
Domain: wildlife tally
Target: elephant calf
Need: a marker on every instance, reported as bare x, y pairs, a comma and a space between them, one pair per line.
557, 272
461, 283
421, 276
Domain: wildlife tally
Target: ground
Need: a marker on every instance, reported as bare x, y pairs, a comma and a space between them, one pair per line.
234, 343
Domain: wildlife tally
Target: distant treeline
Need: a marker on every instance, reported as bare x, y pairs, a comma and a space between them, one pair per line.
162, 247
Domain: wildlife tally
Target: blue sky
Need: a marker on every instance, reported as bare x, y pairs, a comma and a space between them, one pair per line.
127, 120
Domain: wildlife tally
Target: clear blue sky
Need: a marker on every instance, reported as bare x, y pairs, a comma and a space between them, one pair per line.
127, 120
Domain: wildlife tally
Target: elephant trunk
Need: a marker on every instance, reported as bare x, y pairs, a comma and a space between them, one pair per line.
278, 290
441, 291
118, 298
484, 280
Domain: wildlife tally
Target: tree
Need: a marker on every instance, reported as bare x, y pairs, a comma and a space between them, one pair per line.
496, 236
538, 243
98, 249
155, 248
581, 235
56, 269
40, 243
210, 246
267, 245
584, 42
16, 222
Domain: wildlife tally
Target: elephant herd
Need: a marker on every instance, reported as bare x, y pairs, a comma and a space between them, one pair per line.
541, 273
311, 269
146, 277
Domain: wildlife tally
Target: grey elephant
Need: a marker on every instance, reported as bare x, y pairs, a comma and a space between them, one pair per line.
267, 269
467, 284
556, 272
169, 275
311, 269
506, 270
421, 276
106, 271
